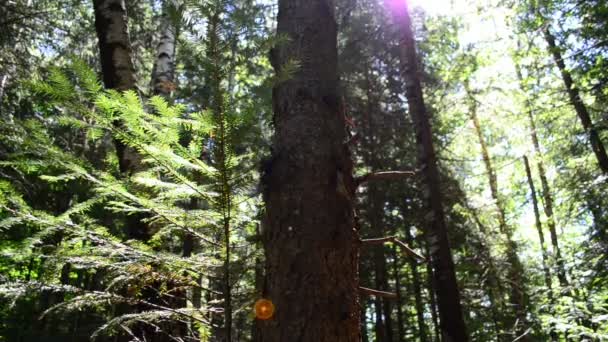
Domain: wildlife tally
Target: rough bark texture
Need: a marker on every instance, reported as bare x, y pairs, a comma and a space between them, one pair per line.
448, 296
163, 73
577, 102
116, 64
310, 240
518, 296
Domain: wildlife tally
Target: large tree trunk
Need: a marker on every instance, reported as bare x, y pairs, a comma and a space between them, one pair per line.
518, 296
163, 73
448, 295
310, 240
577, 102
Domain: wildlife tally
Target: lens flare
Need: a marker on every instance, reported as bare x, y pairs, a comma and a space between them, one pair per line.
264, 309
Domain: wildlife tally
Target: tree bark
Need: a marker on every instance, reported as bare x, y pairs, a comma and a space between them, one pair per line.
448, 295
310, 240
163, 72
577, 102
116, 63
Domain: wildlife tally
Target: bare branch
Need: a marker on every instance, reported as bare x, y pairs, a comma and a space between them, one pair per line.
378, 241
385, 175
404, 247
371, 292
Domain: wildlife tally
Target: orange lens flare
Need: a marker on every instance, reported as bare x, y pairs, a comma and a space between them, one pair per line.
264, 309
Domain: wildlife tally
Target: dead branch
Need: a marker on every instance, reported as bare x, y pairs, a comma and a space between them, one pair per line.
407, 251
384, 175
376, 293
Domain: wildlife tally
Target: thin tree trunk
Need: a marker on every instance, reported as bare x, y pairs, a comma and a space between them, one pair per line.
383, 308
577, 102
310, 241
541, 237
518, 296
430, 284
492, 284
163, 72
422, 328
363, 317
546, 189
221, 163
383, 326
448, 295
399, 302
538, 224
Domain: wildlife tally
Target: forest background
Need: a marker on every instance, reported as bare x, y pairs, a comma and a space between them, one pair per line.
136, 145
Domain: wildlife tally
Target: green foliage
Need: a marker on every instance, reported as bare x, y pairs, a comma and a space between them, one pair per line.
81, 234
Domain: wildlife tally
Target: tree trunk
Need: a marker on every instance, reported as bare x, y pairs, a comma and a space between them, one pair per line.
493, 285
119, 74
448, 295
422, 328
430, 284
518, 296
116, 63
399, 302
541, 237
383, 324
310, 240
546, 190
363, 317
163, 72
577, 102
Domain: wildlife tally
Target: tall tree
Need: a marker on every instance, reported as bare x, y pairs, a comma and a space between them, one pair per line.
541, 238
448, 296
546, 188
310, 240
518, 295
576, 100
